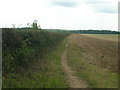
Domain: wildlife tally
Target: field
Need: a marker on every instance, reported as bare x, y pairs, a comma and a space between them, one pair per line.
94, 59
70, 61
110, 37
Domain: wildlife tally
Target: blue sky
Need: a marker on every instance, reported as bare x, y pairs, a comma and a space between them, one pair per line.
61, 14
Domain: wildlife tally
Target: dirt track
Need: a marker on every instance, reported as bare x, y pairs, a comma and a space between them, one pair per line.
71, 79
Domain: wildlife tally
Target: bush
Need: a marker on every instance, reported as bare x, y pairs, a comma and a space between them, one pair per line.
22, 47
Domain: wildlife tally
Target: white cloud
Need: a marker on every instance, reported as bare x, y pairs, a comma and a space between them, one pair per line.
48, 15
104, 6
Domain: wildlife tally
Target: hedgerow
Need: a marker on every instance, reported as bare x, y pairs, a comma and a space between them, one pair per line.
23, 47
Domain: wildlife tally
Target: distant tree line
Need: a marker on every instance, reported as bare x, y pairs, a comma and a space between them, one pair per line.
95, 32
84, 31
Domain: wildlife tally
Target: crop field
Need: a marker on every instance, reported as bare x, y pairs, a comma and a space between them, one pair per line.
111, 37
95, 59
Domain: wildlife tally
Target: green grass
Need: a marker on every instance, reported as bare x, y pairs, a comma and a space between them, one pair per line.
45, 73
56, 78
95, 76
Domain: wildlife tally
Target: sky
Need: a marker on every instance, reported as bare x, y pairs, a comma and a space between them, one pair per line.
61, 14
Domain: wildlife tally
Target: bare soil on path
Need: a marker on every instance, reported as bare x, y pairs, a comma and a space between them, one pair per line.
71, 79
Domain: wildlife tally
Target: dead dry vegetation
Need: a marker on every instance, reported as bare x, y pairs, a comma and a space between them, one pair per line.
95, 60
100, 52
109, 37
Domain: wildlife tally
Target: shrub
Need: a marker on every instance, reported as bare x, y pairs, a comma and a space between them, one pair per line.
22, 47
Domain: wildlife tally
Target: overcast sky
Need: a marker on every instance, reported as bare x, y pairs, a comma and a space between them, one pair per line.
61, 14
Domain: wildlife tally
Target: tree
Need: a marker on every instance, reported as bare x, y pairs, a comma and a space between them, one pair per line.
34, 25
28, 24
39, 26
14, 26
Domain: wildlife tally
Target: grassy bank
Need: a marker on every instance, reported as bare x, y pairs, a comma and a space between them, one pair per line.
31, 59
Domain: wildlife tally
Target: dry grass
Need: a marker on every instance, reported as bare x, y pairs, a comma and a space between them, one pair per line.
95, 60
110, 37
103, 53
